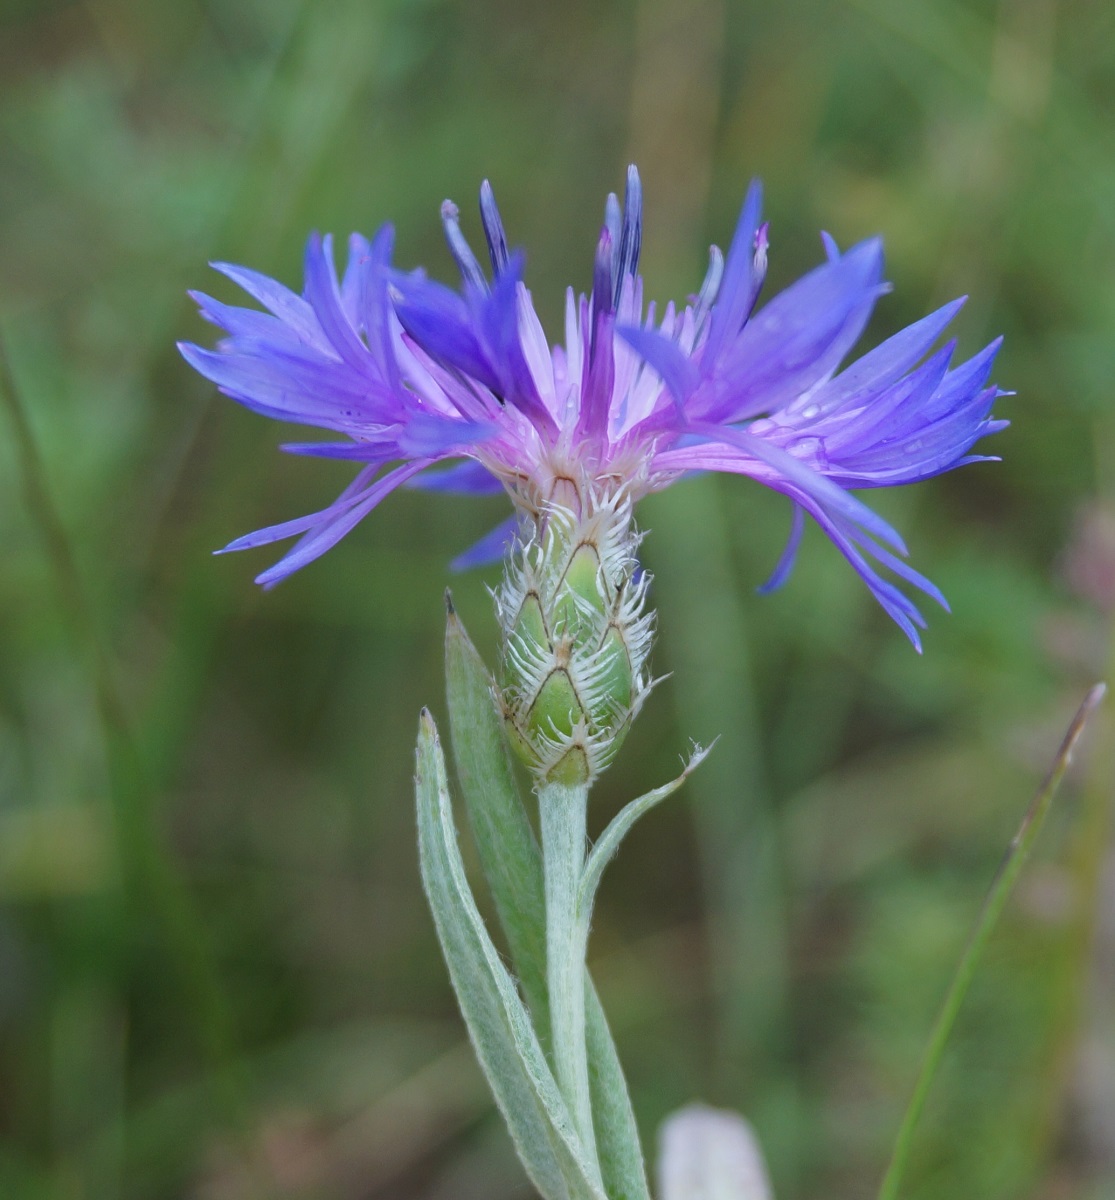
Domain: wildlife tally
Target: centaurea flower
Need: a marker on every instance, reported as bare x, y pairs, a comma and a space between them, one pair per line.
461, 391
414, 374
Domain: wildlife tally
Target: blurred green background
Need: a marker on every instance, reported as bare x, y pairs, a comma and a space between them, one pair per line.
218, 978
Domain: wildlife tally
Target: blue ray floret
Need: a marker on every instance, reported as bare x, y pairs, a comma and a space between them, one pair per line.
412, 374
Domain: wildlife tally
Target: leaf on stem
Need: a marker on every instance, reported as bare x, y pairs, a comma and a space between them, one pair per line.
505, 841
605, 849
617, 1135
501, 1031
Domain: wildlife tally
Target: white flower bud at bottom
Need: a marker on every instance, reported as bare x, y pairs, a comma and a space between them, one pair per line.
575, 640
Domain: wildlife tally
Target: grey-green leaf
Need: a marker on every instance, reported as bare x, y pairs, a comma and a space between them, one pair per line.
608, 844
505, 841
617, 1135
504, 1039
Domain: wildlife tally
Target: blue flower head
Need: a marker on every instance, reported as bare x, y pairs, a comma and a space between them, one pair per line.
412, 375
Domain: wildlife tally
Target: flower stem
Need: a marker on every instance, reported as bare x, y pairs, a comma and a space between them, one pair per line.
563, 812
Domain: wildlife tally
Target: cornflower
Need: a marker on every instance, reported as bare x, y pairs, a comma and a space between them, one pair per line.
414, 374
461, 391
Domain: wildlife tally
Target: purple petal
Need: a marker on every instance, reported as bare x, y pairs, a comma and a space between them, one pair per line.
439, 320
893, 414
923, 435
317, 541
491, 548
346, 451
243, 322
477, 335
427, 433
598, 369
493, 229
324, 294
613, 222
376, 307
471, 478
706, 1153
905, 571
882, 366
897, 605
498, 317
472, 274
290, 308
710, 285
352, 494
665, 357
352, 285
961, 383
740, 284
935, 451
785, 563
289, 385
631, 234
794, 342
833, 519
804, 478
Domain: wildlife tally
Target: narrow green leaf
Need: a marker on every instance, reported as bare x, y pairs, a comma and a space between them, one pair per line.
1001, 887
501, 1031
505, 840
617, 1135
512, 861
607, 845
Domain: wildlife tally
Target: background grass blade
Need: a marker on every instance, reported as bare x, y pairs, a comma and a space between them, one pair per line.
1001, 888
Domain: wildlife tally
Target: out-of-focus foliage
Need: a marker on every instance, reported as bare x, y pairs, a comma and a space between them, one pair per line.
217, 976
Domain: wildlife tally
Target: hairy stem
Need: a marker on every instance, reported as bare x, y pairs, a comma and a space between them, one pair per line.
563, 809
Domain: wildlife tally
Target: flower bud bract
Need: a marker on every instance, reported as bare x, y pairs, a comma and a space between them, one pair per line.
575, 638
